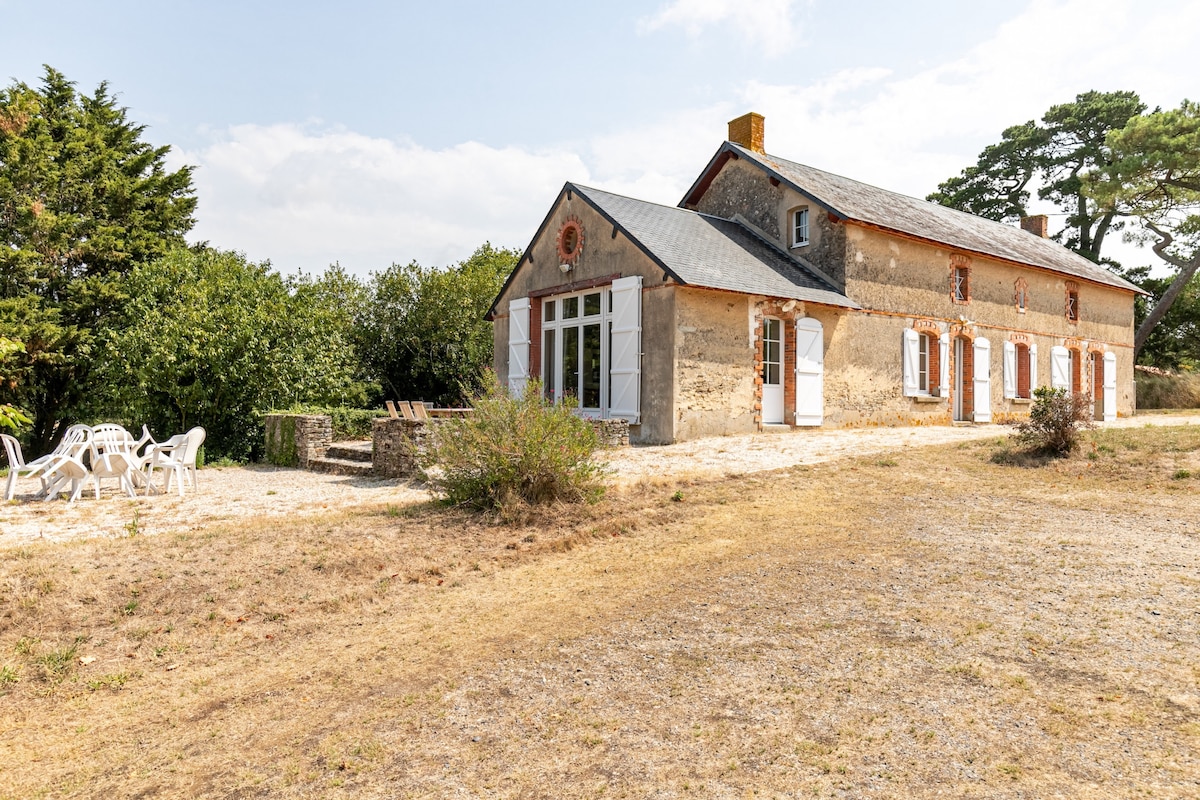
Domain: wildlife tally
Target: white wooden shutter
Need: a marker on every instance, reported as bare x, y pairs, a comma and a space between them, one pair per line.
911, 357
1010, 369
1110, 387
810, 372
1060, 367
1033, 384
625, 356
944, 365
983, 380
518, 345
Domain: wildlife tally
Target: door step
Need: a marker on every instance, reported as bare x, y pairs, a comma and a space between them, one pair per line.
341, 466
350, 451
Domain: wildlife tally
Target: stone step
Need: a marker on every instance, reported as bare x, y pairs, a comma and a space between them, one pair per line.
350, 451
341, 466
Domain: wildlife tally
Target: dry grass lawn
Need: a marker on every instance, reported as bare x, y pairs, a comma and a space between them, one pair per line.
918, 624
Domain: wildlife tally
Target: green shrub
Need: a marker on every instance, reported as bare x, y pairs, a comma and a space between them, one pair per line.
1055, 421
1167, 390
515, 451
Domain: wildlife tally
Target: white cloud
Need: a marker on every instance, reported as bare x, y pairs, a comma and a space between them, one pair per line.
769, 24
304, 197
908, 132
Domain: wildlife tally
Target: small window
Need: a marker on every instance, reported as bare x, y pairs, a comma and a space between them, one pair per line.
923, 364
1023, 388
961, 285
800, 227
591, 304
1020, 294
570, 307
548, 310
1073, 305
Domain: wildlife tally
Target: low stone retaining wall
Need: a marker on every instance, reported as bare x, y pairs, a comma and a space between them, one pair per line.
397, 445
295, 440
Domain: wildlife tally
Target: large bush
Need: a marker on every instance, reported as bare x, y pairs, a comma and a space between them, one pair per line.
1055, 421
423, 333
1161, 389
515, 451
204, 337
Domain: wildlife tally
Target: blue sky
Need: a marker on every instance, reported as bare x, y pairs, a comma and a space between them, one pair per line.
369, 133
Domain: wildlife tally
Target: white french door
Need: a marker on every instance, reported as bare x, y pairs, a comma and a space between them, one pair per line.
772, 372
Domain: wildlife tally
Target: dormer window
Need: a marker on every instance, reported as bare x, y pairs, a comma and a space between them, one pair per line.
799, 227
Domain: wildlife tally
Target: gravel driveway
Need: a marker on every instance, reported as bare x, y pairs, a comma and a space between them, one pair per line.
230, 493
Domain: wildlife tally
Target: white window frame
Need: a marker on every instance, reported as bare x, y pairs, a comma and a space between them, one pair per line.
923, 363
554, 375
799, 223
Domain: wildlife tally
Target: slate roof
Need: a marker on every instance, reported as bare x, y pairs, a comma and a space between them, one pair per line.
701, 250
850, 199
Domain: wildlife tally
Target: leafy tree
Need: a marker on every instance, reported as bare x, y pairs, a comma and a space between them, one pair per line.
423, 333
82, 199
206, 338
1155, 176
10, 415
1174, 343
1054, 156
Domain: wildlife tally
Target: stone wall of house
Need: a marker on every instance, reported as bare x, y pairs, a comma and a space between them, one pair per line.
714, 364
743, 188
397, 445
294, 440
908, 283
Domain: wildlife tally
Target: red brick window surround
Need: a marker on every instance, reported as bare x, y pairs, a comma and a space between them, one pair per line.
1071, 302
960, 279
1020, 294
928, 361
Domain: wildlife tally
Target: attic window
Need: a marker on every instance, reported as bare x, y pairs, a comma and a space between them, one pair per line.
799, 227
960, 279
1073, 305
570, 241
1020, 297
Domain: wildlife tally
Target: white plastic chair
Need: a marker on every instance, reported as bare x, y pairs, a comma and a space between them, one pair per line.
176, 457
73, 443
17, 465
63, 470
123, 466
110, 437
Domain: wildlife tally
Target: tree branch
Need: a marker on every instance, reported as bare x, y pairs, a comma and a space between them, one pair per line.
1187, 269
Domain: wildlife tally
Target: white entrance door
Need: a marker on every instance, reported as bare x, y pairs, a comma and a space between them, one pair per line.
772, 372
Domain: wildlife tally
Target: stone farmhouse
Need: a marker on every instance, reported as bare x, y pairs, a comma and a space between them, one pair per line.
776, 295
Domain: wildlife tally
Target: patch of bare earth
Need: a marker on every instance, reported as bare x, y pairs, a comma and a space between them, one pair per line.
915, 622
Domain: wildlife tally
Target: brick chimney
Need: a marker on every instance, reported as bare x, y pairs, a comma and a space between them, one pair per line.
1035, 224
747, 130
